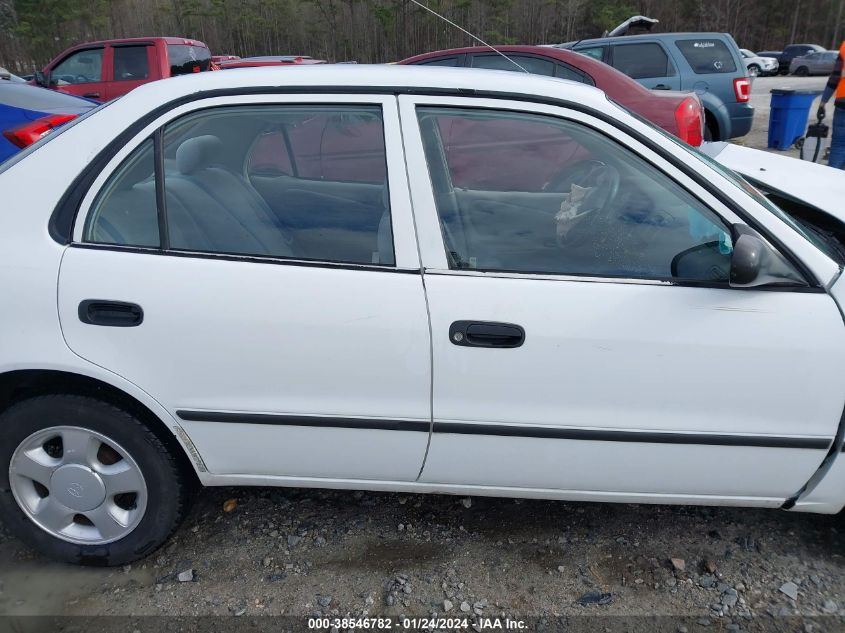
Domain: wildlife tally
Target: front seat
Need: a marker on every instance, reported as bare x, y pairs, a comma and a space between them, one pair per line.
210, 208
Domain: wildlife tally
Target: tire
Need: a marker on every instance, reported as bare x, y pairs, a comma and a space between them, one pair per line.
709, 137
801, 71
754, 70
39, 435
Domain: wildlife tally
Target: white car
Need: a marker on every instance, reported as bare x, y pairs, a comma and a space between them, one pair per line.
810, 193
757, 64
399, 278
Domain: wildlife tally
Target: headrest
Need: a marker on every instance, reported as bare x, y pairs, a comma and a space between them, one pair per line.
198, 152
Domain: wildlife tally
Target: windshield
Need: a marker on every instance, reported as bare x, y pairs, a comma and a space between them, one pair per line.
741, 183
14, 159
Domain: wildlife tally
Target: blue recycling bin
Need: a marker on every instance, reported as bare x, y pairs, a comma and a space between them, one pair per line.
789, 115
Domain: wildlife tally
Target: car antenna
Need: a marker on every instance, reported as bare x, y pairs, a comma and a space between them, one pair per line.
476, 38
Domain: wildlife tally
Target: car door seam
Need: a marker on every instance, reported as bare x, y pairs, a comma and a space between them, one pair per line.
837, 446
422, 283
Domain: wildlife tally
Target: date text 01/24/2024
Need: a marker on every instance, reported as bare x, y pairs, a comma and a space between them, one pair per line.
417, 624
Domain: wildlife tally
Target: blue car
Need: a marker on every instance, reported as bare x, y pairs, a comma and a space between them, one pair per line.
27, 113
709, 64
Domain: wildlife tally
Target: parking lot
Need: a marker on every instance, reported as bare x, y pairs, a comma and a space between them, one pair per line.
760, 96
299, 552
293, 552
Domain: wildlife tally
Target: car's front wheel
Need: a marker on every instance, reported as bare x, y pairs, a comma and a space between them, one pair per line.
85, 482
801, 71
753, 70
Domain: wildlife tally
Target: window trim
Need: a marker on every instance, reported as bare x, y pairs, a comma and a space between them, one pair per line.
406, 256
62, 223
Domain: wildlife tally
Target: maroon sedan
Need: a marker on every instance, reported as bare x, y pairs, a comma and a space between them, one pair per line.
678, 113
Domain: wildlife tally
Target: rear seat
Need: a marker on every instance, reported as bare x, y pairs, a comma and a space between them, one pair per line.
211, 209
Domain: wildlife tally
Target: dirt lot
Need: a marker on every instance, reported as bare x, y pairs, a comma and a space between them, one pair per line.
301, 553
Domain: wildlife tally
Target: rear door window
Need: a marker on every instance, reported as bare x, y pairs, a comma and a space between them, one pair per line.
534, 65
443, 61
564, 71
186, 59
642, 61
596, 52
131, 63
707, 56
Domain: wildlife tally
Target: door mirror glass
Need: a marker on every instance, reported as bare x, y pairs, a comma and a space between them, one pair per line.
709, 261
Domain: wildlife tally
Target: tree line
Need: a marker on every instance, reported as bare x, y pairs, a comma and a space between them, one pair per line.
33, 31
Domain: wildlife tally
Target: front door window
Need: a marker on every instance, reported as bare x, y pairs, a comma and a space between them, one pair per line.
532, 193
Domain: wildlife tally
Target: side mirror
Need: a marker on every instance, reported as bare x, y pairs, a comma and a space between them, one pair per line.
745, 260
42, 78
754, 263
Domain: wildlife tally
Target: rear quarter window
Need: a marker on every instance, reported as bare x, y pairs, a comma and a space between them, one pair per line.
186, 59
707, 56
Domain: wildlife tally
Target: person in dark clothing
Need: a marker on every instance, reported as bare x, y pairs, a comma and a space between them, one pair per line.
836, 86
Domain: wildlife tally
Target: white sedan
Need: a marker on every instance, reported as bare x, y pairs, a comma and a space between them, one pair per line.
399, 278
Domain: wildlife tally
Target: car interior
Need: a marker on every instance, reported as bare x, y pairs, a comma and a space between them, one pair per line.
514, 192
595, 210
220, 200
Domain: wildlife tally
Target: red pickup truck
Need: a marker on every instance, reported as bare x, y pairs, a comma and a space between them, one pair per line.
111, 68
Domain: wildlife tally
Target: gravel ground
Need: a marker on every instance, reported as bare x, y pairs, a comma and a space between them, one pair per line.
305, 552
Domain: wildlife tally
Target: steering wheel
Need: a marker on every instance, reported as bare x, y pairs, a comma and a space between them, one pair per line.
600, 178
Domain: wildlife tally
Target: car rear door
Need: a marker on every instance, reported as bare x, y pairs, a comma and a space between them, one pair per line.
288, 336
569, 355
132, 65
648, 62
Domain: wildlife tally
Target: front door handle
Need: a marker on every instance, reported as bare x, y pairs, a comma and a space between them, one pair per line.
92, 95
110, 313
486, 334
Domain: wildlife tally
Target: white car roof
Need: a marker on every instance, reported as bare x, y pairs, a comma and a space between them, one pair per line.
356, 76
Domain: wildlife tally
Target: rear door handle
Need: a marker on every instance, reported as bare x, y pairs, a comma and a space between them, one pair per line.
486, 334
110, 313
661, 87
92, 95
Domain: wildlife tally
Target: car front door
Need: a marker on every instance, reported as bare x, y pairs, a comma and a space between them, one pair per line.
576, 350
82, 73
251, 263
